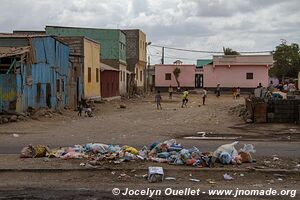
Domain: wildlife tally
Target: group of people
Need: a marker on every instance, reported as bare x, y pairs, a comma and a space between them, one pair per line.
185, 97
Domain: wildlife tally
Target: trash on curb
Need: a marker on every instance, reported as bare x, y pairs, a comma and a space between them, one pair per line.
227, 177
194, 180
155, 174
170, 178
168, 151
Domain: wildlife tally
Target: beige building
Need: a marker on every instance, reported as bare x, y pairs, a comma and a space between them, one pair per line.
136, 52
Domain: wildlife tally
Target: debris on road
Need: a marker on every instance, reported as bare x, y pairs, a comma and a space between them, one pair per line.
194, 180
227, 177
155, 174
162, 152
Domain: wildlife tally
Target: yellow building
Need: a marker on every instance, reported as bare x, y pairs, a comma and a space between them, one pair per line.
91, 70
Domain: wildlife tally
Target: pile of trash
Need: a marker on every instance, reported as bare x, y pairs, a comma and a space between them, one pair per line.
163, 152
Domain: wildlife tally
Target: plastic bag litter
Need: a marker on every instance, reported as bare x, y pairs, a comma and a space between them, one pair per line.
163, 155
226, 153
130, 150
73, 155
129, 156
227, 177
245, 157
248, 148
56, 153
96, 147
193, 149
143, 152
170, 142
184, 153
190, 161
41, 151
27, 152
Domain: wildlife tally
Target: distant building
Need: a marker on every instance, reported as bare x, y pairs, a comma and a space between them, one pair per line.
229, 71
34, 72
244, 71
113, 47
164, 76
136, 52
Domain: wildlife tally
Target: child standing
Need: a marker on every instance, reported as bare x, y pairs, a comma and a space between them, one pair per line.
158, 100
234, 92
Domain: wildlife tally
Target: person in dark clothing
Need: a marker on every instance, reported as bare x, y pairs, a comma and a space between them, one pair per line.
158, 100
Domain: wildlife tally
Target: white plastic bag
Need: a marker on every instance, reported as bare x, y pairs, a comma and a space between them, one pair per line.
248, 148
226, 153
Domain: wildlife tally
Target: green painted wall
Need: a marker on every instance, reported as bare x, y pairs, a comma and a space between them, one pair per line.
112, 41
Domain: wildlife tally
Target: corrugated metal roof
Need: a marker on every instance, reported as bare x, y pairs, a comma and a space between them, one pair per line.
104, 67
11, 51
202, 62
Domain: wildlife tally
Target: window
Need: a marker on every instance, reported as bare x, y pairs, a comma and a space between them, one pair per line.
124, 76
249, 75
62, 85
89, 74
97, 75
137, 74
141, 75
57, 85
121, 75
168, 76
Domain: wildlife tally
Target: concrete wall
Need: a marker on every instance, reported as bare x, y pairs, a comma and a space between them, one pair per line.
186, 77
91, 60
235, 76
230, 71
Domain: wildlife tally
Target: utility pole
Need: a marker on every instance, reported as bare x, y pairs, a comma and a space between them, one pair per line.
147, 88
163, 55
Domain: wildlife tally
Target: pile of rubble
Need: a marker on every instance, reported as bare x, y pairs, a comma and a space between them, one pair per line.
242, 112
163, 152
8, 117
15, 117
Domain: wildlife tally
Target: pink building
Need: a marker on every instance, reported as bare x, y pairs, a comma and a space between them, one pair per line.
229, 71
164, 76
238, 71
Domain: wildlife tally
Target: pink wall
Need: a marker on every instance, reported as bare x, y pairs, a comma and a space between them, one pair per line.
235, 76
186, 77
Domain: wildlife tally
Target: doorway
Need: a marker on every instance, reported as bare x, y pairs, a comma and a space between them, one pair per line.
48, 95
199, 81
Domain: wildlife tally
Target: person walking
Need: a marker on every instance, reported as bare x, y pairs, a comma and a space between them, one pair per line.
185, 98
204, 96
234, 92
238, 92
158, 100
170, 90
218, 91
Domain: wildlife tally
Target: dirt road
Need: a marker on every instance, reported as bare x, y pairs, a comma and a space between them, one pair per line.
141, 124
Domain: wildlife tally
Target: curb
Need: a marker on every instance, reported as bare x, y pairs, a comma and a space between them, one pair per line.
53, 170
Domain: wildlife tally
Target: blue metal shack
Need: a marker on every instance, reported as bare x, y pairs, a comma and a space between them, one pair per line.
37, 68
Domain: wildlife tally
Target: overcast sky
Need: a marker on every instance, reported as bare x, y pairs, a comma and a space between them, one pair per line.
243, 25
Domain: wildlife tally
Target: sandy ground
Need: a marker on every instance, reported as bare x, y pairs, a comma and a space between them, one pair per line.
139, 124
